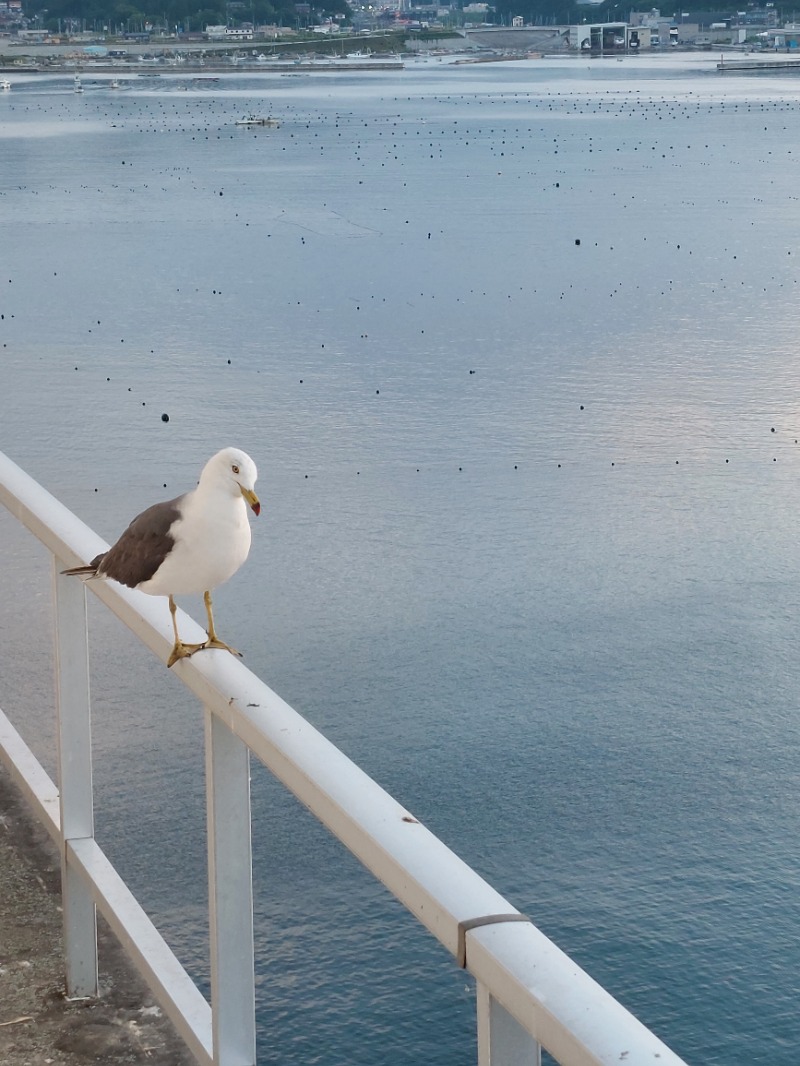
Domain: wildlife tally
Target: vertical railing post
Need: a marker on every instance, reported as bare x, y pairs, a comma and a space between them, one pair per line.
502, 1041
230, 895
74, 725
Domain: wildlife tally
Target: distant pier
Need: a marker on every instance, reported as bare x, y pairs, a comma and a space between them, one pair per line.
757, 66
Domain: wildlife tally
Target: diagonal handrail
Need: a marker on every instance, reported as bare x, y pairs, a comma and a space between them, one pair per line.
525, 981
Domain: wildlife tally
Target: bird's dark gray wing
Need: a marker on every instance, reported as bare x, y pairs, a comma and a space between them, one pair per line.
143, 546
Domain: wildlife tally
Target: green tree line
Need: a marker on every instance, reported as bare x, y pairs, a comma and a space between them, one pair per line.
133, 15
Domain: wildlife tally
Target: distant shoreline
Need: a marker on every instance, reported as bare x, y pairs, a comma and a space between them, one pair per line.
736, 60
144, 71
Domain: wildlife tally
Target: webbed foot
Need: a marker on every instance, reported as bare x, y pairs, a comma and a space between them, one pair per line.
215, 642
182, 651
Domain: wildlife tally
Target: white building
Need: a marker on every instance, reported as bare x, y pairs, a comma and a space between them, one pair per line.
608, 37
227, 33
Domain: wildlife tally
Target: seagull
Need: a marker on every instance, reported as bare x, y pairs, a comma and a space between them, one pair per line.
188, 545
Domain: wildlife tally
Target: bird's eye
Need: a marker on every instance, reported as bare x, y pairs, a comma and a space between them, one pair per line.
235, 469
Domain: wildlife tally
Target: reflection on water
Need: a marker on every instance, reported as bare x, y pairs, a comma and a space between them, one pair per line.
514, 349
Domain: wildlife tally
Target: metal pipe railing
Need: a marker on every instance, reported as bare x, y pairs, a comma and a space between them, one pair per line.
530, 994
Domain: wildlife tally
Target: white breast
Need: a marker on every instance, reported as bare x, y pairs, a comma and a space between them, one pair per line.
212, 540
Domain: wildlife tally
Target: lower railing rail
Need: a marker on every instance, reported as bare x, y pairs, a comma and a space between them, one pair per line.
530, 995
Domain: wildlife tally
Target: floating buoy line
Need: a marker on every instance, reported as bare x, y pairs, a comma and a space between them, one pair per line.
688, 462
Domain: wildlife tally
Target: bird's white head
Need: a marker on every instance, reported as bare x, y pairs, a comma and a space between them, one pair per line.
234, 469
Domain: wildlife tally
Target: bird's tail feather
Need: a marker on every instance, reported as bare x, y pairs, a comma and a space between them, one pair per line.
90, 569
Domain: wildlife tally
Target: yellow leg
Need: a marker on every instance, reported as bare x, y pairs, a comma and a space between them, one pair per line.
179, 650
213, 640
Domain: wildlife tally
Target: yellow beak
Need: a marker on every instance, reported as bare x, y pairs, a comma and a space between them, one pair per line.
252, 499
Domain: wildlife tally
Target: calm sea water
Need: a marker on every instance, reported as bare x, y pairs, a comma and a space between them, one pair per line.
515, 349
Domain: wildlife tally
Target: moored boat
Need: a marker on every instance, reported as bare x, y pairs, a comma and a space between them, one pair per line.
255, 120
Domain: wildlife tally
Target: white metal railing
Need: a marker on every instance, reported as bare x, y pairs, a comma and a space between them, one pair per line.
530, 995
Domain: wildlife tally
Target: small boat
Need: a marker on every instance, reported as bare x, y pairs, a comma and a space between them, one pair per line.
77, 87
254, 120
114, 84
5, 85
